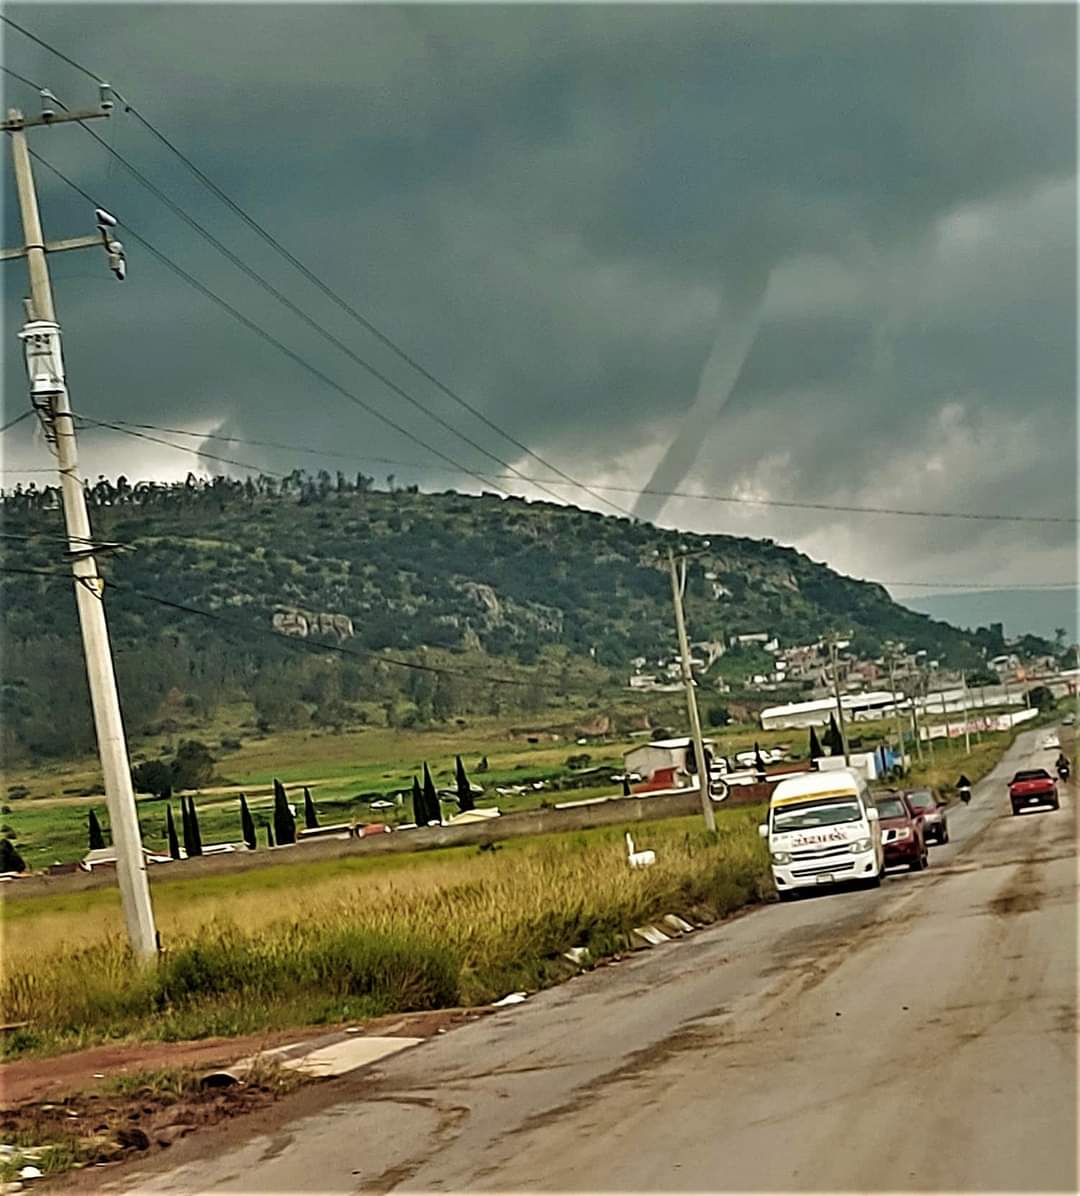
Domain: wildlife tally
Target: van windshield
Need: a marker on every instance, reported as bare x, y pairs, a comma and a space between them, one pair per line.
811, 814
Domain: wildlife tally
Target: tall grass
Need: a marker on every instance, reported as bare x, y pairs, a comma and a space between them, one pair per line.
463, 929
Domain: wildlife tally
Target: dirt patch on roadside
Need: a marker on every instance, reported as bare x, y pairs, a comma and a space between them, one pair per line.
38, 1079
134, 1117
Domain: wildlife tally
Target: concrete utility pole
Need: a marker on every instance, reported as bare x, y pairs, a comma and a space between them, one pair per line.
944, 708
896, 709
967, 731
678, 588
839, 704
915, 723
50, 399
926, 712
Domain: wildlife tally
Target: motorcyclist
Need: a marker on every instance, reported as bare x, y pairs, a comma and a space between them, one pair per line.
963, 787
1062, 766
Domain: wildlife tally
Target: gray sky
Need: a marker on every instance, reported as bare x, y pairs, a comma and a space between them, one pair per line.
557, 209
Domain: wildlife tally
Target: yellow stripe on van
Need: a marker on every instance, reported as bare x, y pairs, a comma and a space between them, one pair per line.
819, 796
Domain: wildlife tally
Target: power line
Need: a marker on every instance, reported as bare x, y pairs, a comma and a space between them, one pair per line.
18, 419
100, 423
797, 504
299, 312
269, 337
342, 303
293, 642
302, 315
272, 290
976, 585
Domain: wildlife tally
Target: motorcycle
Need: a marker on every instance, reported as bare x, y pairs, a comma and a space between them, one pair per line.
1063, 772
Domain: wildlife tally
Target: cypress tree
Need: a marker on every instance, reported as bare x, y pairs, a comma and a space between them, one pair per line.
310, 819
431, 798
759, 763
196, 835
284, 823
269, 836
10, 860
626, 790
185, 821
97, 839
419, 811
815, 745
464, 789
170, 834
834, 741
247, 823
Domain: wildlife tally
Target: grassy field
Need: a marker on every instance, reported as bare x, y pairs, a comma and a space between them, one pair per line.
51, 826
308, 944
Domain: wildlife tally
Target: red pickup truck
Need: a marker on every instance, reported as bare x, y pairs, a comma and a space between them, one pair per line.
1033, 787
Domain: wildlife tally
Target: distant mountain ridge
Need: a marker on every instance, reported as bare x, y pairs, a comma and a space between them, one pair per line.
480, 583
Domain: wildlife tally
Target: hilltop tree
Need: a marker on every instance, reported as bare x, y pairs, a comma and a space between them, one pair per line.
247, 824
815, 745
97, 839
431, 798
464, 789
170, 834
284, 822
419, 810
311, 820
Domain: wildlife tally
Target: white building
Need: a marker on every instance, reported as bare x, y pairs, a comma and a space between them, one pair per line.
816, 714
649, 758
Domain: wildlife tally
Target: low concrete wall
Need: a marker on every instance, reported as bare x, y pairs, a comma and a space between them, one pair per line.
614, 812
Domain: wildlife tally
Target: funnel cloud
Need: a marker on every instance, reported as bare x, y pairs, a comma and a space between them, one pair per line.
740, 319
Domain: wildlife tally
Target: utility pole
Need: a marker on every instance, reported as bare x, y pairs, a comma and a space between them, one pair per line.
50, 399
967, 720
839, 704
678, 588
915, 723
926, 712
944, 708
896, 709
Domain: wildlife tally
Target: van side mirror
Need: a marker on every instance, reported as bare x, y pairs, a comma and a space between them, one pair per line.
763, 830
873, 814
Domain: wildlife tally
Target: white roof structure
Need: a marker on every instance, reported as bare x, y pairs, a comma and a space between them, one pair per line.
683, 741
815, 784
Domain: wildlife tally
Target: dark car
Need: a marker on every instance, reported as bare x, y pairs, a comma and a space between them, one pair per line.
902, 835
935, 819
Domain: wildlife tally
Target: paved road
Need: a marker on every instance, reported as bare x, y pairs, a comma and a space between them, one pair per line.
920, 1037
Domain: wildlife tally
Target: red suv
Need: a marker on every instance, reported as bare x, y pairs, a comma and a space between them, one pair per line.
903, 834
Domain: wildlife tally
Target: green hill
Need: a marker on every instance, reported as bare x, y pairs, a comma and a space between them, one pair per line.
554, 599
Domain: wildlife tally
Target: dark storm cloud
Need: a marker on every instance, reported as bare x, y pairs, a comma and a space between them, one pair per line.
552, 206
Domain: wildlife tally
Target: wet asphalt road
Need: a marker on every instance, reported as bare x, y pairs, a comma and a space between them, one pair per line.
922, 1037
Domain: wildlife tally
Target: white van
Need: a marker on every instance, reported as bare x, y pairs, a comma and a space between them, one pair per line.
823, 830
